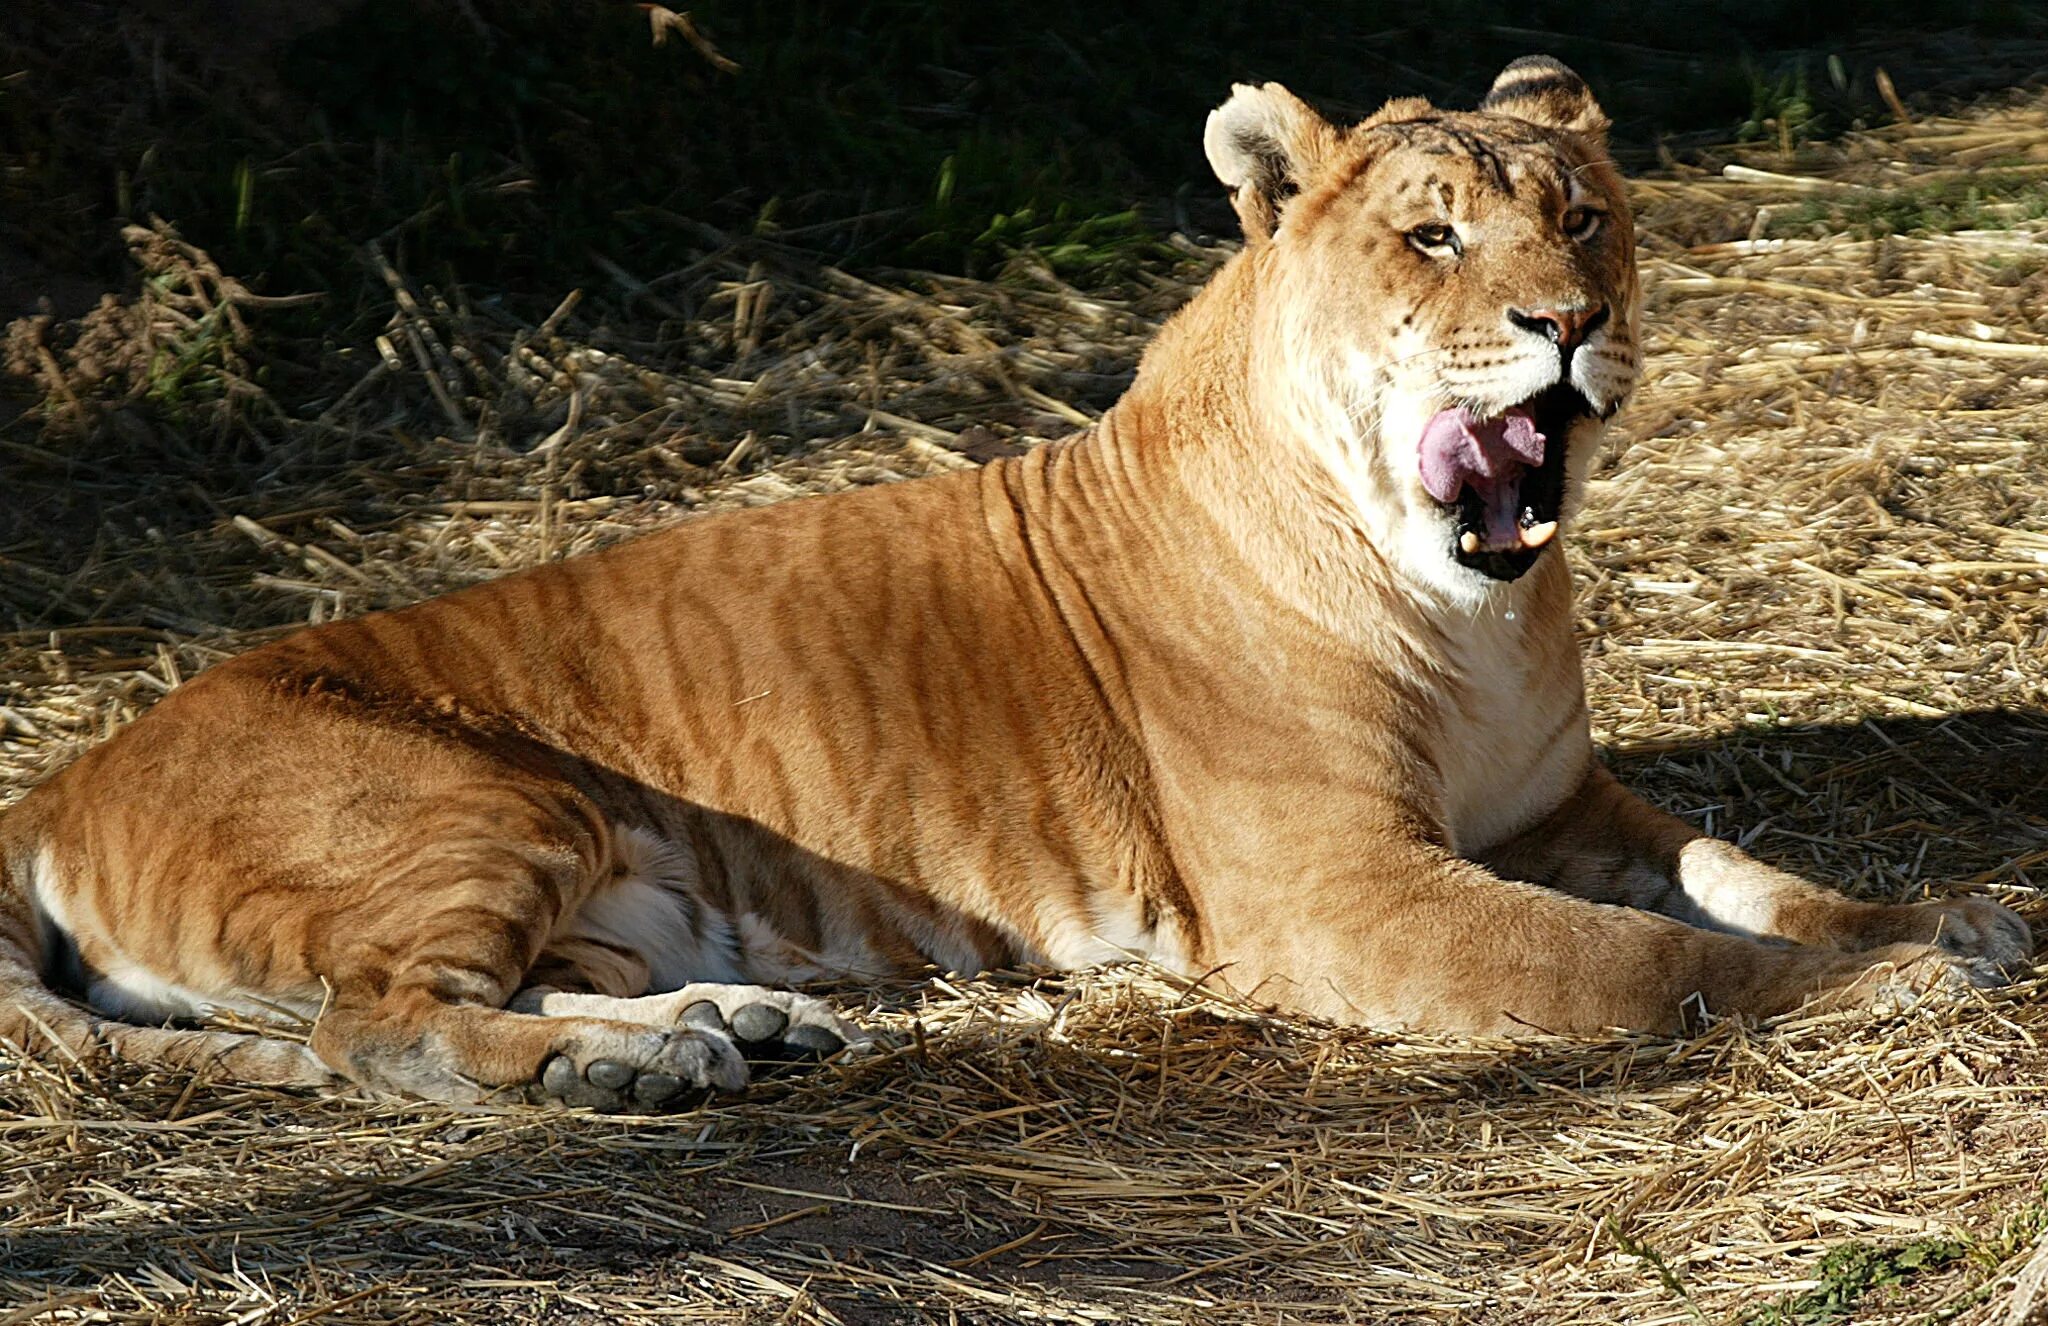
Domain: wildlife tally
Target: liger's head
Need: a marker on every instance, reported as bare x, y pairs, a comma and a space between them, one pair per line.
1451, 311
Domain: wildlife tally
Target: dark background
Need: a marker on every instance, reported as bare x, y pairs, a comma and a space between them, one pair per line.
503, 144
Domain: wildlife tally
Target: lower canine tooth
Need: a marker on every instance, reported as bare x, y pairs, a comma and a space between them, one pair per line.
1468, 542
1539, 534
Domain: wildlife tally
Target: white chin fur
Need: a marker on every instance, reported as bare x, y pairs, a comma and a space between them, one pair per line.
1383, 478
1383, 474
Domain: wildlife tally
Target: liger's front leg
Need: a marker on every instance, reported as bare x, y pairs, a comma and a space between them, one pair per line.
1607, 844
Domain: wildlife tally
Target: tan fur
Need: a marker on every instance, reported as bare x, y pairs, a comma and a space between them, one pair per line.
1203, 685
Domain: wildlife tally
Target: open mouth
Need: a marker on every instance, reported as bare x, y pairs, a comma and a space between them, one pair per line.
1502, 477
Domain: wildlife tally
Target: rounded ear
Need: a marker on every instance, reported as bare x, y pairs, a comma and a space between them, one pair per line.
1541, 90
1265, 143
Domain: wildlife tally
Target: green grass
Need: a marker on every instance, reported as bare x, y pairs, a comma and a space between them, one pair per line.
1667, 1275
1989, 200
1782, 109
1851, 1273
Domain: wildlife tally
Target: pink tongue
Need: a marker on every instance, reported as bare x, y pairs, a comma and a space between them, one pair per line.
1489, 456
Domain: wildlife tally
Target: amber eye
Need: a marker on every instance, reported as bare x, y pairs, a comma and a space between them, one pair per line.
1582, 223
1436, 240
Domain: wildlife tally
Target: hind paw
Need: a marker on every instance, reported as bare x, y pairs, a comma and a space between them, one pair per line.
708, 1033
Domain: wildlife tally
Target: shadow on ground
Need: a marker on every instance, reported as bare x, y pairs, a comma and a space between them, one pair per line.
1038, 1141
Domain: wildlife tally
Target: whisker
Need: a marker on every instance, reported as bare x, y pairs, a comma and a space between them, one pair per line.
1419, 354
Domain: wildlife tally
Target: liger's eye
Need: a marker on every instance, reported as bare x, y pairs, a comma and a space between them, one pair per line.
1582, 223
1436, 240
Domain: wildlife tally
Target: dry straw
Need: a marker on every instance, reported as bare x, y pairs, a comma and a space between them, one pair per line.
1815, 616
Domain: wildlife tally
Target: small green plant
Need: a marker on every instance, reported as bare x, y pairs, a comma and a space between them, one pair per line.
1781, 109
2017, 1236
998, 197
1078, 247
187, 369
1667, 1275
1986, 201
1850, 1272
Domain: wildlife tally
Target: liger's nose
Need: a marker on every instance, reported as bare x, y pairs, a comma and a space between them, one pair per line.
1566, 326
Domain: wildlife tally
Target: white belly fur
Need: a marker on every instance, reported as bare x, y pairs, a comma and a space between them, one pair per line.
659, 909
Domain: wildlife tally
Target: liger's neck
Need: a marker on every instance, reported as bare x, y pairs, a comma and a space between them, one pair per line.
1210, 430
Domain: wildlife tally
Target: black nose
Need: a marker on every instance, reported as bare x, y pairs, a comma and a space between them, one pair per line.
1565, 326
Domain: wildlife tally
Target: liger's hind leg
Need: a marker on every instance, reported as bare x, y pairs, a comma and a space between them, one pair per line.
440, 943
654, 916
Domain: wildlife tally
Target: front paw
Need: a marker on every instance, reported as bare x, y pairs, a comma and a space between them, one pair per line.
1976, 928
1899, 977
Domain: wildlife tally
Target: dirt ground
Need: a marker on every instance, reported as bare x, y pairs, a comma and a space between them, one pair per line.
1815, 610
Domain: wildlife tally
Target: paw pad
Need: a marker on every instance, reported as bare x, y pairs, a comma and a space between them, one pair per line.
680, 1069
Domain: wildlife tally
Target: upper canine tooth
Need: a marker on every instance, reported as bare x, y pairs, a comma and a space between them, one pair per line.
1468, 542
1538, 534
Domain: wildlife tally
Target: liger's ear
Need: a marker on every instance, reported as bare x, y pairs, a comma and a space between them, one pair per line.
1265, 143
1543, 91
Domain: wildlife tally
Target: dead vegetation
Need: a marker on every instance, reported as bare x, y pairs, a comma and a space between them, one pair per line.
1815, 617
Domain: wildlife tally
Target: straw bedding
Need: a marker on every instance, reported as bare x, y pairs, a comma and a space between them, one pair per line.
1815, 616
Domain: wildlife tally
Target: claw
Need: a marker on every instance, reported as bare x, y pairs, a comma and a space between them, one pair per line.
808, 1039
